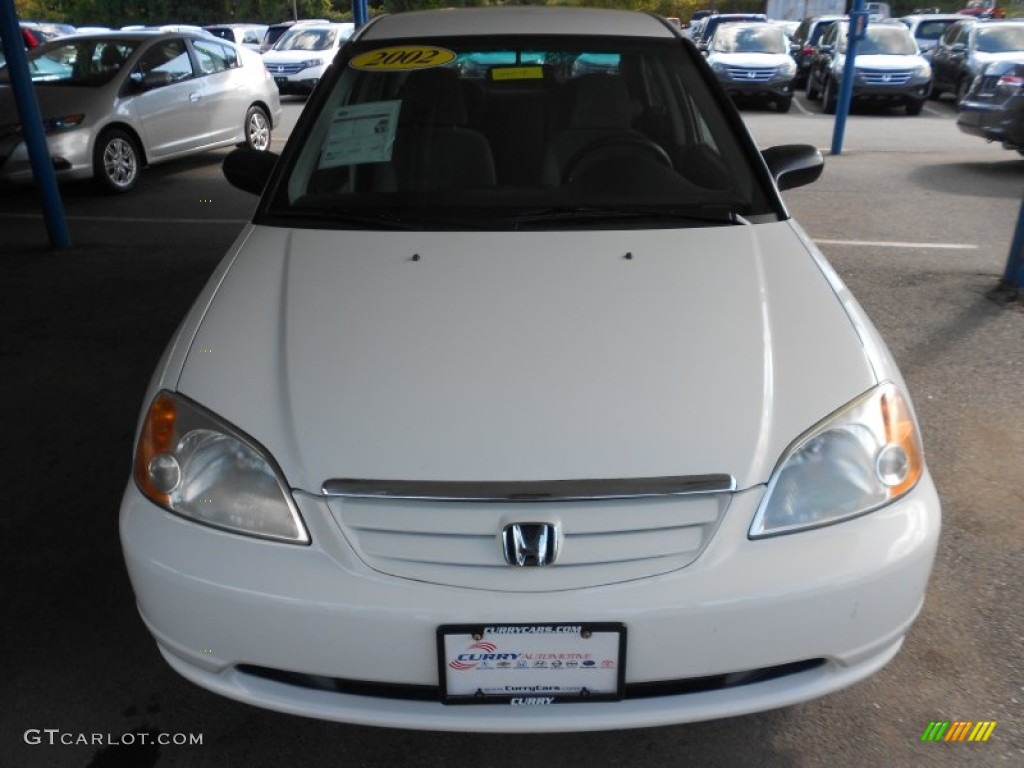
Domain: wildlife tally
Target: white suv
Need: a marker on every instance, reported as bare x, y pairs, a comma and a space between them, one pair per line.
299, 58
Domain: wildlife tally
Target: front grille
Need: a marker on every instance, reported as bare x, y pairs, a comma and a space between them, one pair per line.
883, 77
751, 74
460, 543
433, 693
281, 70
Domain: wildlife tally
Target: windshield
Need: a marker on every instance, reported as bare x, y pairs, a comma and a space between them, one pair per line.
459, 133
86, 62
731, 39
1001, 39
891, 40
306, 39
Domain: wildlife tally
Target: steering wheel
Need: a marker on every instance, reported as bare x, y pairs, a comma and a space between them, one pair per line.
623, 140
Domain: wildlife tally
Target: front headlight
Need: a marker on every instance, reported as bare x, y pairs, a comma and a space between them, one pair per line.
860, 458
788, 68
63, 123
312, 63
192, 463
923, 70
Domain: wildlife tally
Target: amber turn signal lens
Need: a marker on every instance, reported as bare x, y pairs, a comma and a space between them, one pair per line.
157, 436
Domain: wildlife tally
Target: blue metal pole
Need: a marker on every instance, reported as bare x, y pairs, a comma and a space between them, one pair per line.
360, 13
1014, 274
858, 21
32, 126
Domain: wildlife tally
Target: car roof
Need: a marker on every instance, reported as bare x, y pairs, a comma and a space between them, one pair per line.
517, 20
136, 36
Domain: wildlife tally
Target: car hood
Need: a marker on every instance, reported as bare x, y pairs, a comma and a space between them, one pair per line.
293, 57
888, 61
525, 356
982, 58
750, 59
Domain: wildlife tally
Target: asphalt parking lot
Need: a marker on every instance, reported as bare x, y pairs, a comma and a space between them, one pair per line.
916, 218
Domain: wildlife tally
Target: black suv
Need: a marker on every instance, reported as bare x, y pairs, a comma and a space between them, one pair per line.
805, 39
889, 68
711, 23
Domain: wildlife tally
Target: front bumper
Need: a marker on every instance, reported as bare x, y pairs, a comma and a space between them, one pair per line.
220, 605
303, 81
913, 91
773, 90
70, 153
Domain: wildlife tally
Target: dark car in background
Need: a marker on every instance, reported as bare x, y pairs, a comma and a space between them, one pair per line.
889, 69
751, 60
968, 47
928, 28
993, 107
711, 24
249, 35
805, 39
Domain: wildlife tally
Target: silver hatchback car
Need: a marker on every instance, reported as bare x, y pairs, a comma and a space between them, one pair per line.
112, 103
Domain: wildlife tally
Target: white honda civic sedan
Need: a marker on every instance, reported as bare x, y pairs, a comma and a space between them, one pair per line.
523, 404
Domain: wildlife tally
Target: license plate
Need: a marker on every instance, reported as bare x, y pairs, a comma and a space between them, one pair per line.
280, 80
531, 664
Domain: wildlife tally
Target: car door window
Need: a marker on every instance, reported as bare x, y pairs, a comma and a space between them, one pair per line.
164, 63
214, 57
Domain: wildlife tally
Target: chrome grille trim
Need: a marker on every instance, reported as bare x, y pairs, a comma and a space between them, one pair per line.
530, 490
752, 74
885, 77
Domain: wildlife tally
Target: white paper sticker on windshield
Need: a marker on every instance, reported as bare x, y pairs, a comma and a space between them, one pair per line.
361, 133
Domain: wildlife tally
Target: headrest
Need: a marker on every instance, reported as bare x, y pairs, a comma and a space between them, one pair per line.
599, 101
433, 97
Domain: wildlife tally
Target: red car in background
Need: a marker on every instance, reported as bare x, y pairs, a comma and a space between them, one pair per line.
983, 9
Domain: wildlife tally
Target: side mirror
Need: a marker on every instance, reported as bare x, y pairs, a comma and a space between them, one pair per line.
249, 169
156, 80
794, 165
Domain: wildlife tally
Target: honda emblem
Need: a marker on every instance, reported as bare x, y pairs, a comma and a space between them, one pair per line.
530, 544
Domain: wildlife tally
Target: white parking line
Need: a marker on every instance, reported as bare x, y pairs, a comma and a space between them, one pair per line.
883, 244
936, 112
801, 107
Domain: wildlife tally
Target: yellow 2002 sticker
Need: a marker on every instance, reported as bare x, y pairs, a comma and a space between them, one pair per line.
402, 57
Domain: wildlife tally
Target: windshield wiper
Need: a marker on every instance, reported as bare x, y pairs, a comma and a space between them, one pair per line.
341, 214
705, 214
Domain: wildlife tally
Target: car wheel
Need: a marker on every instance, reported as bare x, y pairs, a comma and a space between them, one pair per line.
257, 129
783, 104
829, 97
115, 161
812, 90
962, 87
914, 107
